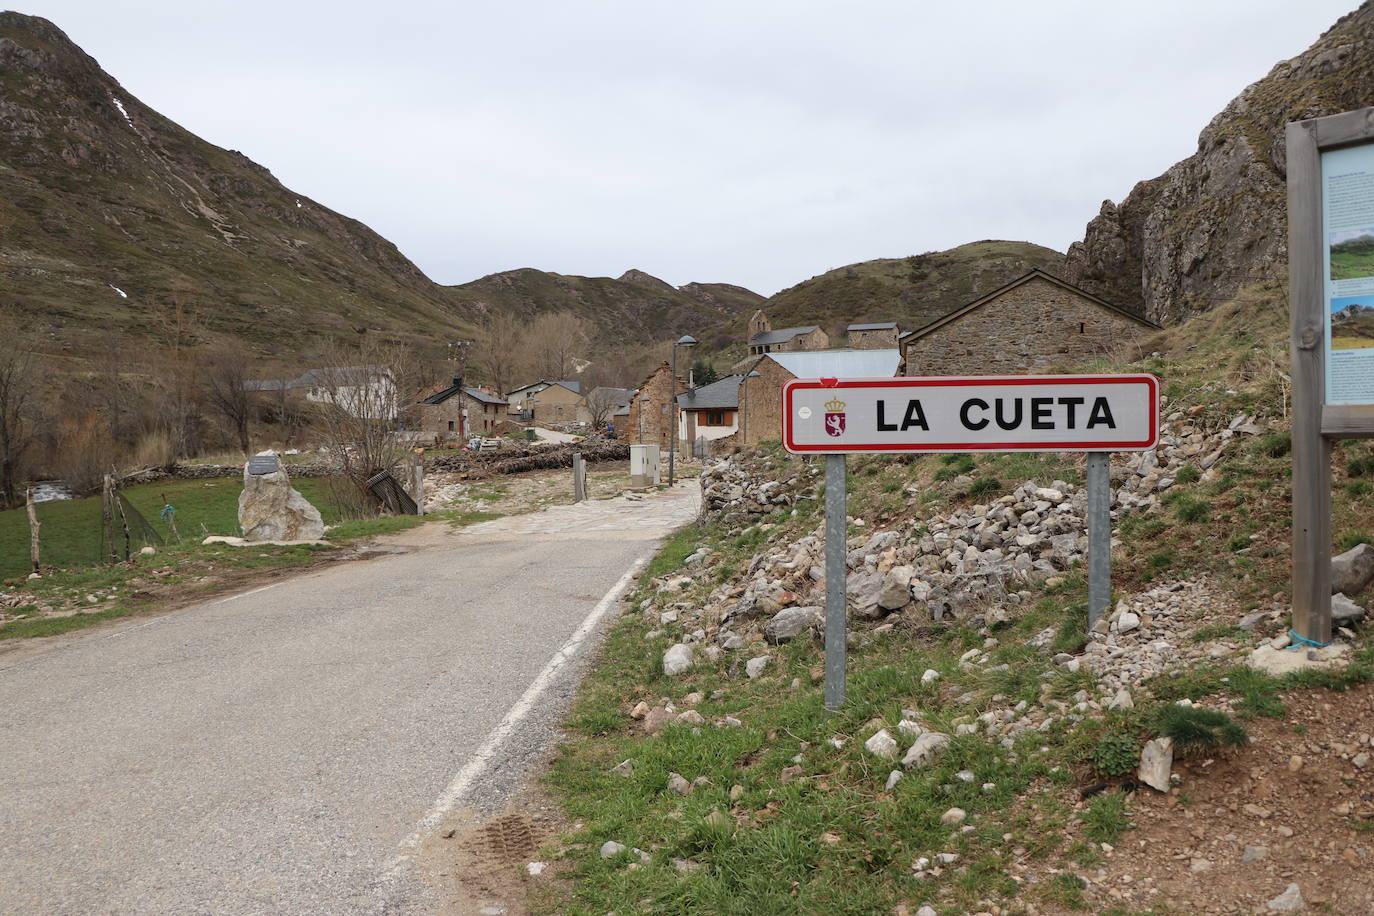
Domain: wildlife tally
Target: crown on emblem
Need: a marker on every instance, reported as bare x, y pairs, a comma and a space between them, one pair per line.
834, 405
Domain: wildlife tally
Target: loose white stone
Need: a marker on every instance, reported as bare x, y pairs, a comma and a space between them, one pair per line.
678, 660
953, 817
754, 667
882, 744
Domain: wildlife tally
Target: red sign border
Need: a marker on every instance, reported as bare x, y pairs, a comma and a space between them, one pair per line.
797, 384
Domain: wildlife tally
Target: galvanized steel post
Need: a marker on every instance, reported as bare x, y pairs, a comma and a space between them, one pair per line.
835, 575
1099, 535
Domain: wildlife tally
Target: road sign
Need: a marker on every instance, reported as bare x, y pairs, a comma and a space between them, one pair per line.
1053, 413
1047, 413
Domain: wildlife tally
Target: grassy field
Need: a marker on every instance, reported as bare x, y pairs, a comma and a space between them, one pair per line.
71, 528
1351, 265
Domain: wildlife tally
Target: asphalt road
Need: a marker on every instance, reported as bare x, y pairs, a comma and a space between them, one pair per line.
280, 751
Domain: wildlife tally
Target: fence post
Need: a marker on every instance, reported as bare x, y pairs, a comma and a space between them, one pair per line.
33, 528
579, 471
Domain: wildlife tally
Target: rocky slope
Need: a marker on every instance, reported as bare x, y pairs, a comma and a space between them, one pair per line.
1189, 239
634, 308
108, 211
107, 208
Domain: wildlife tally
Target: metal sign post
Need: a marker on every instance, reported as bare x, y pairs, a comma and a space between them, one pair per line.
1061, 413
1099, 535
836, 599
1331, 298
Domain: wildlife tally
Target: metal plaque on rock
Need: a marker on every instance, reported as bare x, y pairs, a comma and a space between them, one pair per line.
263, 464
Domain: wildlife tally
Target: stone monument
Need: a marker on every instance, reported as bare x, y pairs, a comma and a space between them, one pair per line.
270, 509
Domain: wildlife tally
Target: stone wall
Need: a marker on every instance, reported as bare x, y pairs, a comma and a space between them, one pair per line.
885, 339
555, 404
435, 418
811, 340
653, 422
1032, 327
760, 403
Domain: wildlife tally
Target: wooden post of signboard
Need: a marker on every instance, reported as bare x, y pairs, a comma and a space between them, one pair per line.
1315, 423
1311, 451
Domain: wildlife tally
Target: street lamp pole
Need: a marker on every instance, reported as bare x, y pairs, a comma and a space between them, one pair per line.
687, 342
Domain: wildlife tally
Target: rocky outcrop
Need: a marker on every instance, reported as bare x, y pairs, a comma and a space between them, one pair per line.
1216, 221
270, 509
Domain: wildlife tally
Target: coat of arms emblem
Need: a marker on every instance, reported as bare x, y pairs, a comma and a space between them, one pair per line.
834, 417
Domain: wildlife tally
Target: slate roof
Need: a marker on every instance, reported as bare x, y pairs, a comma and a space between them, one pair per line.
476, 394
342, 375
719, 395
1026, 278
765, 338
874, 326
839, 363
574, 387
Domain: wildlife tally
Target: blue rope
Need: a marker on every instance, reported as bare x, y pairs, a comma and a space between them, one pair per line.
1301, 641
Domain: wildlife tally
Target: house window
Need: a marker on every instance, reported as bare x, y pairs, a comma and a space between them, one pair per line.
1080, 327
714, 418
450, 426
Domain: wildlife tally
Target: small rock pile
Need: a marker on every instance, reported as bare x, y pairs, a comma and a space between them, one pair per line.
752, 485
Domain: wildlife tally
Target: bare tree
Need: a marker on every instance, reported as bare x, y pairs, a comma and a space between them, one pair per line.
499, 352
556, 341
177, 325
601, 404
354, 395
20, 386
224, 384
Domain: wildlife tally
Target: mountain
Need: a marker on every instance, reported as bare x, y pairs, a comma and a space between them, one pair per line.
913, 291
107, 209
635, 308
1190, 238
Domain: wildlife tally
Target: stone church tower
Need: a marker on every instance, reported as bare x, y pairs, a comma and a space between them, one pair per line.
758, 324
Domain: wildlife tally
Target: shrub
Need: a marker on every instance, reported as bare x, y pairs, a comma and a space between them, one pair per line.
1360, 467
1197, 731
1358, 488
1114, 755
1275, 445
1353, 539
984, 485
1190, 508
1105, 820
1188, 474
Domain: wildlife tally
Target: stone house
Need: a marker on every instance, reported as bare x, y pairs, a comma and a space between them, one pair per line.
710, 412
878, 335
522, 400
760, 391
650, 419
458, 412
763, 339
556, 403
1032, 324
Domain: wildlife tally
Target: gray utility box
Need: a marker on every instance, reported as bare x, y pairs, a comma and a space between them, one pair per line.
644, 466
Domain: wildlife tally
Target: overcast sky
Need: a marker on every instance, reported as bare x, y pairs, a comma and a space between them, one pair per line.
748, 142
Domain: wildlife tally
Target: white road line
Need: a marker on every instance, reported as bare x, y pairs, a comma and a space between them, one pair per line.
247, 593
463, 781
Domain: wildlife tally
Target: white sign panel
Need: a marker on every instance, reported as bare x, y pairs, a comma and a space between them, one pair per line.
1348, 233
1057, 413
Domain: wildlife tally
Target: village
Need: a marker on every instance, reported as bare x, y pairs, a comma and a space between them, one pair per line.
1037, 322
940, 516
